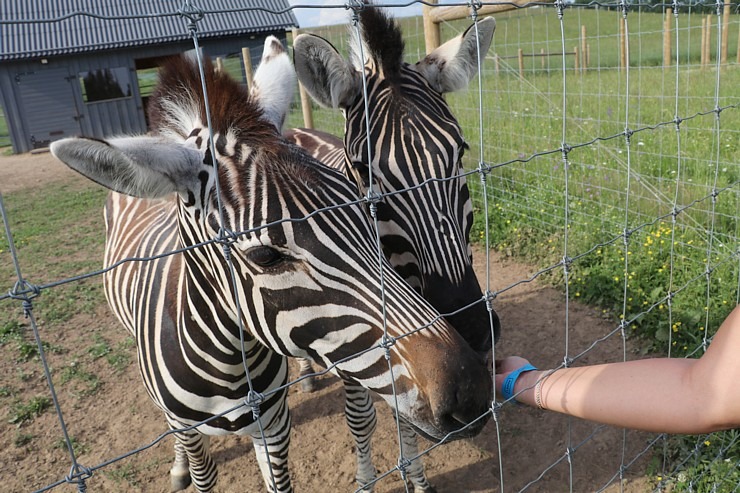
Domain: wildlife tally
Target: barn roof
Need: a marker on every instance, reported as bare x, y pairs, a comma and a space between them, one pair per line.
78, 26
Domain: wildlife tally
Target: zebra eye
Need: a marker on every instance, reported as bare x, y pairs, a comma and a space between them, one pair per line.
358, 164
264, 256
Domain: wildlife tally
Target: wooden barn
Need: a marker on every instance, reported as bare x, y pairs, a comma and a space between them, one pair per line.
85, 67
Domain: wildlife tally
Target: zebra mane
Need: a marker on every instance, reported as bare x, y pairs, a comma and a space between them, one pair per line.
382, 42
177, 105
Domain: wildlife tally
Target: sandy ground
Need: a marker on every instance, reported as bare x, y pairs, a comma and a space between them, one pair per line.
526, 447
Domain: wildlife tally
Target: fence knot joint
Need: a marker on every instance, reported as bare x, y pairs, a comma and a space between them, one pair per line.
624, 7
560, 7
628, 133
356, 6
475, 5
226, 238
78, 474
254, 400
626, 233
191, 13
387, 342
402, 466
489, 296
25, 292
373, 198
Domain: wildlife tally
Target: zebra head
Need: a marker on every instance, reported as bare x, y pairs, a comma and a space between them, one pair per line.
274, 237
414, 140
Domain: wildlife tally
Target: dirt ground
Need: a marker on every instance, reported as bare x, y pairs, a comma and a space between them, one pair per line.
119, 417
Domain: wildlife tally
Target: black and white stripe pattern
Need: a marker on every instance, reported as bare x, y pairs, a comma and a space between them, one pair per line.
298, 282
414, 162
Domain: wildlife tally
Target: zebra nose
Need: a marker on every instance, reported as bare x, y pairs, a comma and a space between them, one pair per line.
464, 411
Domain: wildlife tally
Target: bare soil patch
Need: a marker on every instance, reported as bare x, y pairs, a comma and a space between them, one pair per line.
118, 417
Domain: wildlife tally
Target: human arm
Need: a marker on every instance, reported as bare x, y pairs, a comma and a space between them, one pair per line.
674, 395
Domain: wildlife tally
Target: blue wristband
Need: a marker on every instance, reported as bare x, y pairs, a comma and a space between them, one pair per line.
507, 389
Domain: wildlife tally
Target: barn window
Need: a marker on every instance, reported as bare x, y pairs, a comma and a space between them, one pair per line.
105, 84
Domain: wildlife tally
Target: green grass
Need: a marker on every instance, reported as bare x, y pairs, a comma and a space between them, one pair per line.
25, 412
77, 380
57, 232
117, 357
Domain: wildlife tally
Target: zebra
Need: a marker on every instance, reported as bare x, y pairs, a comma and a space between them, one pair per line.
226, 254
416, 147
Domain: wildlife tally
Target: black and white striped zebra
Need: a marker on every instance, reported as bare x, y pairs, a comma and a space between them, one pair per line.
218, 288
416, 146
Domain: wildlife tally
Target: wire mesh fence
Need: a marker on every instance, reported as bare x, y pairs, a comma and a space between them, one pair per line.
607, 165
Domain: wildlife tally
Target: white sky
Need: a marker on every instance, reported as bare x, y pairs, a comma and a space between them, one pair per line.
338, 14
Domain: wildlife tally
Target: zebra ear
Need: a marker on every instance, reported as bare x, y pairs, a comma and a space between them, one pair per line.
274, 82
327, 77
146, 167
451, 67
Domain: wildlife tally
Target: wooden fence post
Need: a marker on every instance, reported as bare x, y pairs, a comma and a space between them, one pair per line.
248, 72
431, 28
219, 64
542, 58
709, 39
583, 48
622, 44
496, 62
738, 48
703, 58
667, 38
305, 98
725, 32
521, 63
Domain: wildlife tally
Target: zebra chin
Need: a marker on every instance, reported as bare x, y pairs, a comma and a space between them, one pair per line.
452, 429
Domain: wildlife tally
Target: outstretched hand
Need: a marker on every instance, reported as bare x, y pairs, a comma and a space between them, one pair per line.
506, 366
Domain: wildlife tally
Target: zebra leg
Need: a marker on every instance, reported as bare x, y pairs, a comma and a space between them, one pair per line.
274, 445
192, 451
180, 471
307, 384
415, 468
361, 419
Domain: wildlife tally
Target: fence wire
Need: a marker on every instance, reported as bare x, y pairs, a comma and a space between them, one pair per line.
575, 162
